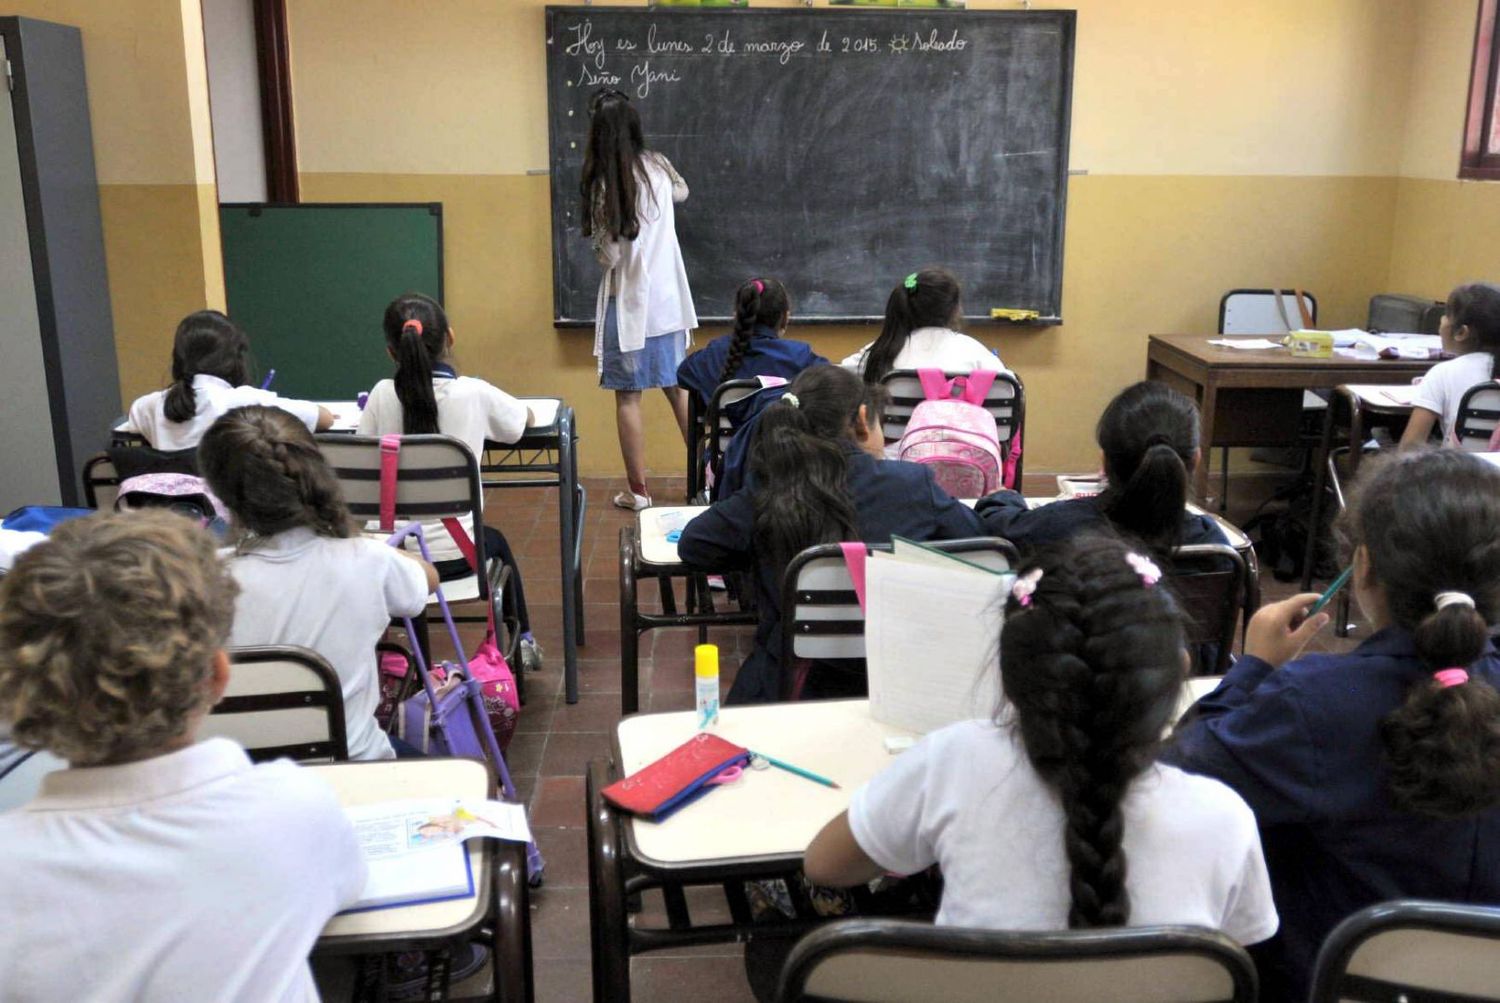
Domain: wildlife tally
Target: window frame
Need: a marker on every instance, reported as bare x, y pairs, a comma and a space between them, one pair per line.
1476, 163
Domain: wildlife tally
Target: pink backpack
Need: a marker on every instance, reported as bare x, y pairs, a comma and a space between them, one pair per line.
955, 436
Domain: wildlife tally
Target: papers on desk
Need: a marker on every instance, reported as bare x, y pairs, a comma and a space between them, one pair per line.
932, 634
345, 415
1356, 344
543, 410
1245, 343
415, 849
1382, 395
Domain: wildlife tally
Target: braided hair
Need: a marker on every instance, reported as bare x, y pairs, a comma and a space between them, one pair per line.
758, 303
1091, 661
266, 467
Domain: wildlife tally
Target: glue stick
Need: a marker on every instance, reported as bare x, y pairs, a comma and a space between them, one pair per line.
706, 677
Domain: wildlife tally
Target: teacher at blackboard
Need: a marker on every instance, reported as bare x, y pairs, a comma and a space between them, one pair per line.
644, 311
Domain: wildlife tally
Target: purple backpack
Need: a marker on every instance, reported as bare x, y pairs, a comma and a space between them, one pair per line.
955, 436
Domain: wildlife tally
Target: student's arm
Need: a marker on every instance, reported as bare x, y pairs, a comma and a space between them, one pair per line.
1418, 427
409, 580
856, 362
679, 186
835, 858
954, 520
720, 539
325, 419
429, 571
1005, 513
507, 418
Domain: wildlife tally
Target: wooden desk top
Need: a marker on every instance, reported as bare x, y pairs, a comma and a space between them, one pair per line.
1195, 347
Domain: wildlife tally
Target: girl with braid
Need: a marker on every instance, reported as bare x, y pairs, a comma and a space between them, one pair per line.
305, 577
1374, 774
757, 346
1056, 815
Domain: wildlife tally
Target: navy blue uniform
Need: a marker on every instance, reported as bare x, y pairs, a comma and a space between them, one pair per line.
767, 355
1302, 746
890, 498
1006, 514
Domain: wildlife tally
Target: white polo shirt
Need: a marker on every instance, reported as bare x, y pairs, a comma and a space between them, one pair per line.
967, 798
1443, 387
935, 348
336, 597
189, 876
470, 410
212, 398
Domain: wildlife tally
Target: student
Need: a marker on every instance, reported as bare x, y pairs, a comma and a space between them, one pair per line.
920, 317
428, 395
1148, 436
1470, 330
210, 370
757, 346
644, 313
1373, 774
156, 866
304, 576
1056, 815
818, 477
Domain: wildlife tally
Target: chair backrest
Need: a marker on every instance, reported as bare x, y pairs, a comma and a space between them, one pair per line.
1006, 401
1210, 580
890, 961
1478, 414
282, 702
1419, 951
101, 483
711, 429
1253, 311
820, 614
437, 478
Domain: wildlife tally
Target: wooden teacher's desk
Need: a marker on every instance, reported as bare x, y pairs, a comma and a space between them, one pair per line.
1253, 397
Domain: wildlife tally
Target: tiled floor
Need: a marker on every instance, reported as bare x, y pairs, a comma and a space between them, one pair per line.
555, 740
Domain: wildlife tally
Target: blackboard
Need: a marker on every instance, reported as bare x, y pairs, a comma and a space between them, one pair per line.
837, 150
309, 284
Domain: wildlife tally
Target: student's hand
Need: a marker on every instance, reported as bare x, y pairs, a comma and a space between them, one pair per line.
1278, 632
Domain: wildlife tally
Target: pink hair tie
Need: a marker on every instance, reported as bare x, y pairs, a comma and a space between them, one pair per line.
412, 325
1451, 677
760, 286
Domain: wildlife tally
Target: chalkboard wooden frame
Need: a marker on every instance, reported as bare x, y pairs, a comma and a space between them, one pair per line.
562, 133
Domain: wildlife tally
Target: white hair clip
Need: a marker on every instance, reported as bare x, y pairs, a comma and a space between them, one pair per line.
791, 399
1444, 599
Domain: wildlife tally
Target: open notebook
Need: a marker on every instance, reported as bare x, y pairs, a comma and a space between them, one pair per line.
932, 636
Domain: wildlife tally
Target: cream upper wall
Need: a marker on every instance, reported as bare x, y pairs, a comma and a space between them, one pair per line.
1161, 87
139, 58
1439, 89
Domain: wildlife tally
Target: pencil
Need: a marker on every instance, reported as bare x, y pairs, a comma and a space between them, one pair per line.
1338, 583
809, 774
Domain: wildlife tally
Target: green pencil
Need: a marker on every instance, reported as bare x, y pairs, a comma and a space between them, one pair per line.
809, 774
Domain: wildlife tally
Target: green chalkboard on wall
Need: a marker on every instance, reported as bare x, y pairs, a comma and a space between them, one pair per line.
308, 283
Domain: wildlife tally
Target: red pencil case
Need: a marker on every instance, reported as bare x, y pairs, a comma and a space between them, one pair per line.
676, 779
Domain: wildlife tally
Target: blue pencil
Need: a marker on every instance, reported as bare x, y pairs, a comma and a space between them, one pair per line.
1338, 583
265, 384
809, 774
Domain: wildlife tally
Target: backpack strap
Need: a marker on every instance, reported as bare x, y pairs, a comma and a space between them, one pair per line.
976, 386
854, 558
461, 541
390, 461
935, 384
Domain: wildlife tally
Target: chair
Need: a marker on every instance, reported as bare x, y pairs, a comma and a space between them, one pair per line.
437, 478
711, 431
1419, 952
1006, 401
1212, 582
101, 483
820, 615
891, 961
1478, 415
282, 702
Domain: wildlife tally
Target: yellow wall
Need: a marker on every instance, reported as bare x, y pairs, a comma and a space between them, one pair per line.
148, 102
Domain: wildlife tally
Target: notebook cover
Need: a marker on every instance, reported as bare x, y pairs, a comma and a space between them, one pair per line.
656, 790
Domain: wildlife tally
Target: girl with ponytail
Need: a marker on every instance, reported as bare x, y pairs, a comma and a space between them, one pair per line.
1374, 774
1056, 815
429, 396
305, 577
816, 476
1148, 437
1470, 330
756, 347
210, 370
921, 316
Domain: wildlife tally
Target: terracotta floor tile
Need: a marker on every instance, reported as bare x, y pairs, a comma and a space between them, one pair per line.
559, 802
569, 752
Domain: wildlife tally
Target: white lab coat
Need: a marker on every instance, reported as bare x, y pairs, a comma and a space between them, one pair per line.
646, 275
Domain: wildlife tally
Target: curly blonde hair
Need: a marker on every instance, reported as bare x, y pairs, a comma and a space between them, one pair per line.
107, 635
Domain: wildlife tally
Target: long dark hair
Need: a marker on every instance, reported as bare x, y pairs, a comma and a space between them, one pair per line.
1091, 665
206, 342
264, 464
416, 332
758, 303
931, 297
612, 163
1477, 304
1430, 523
799, 462
1149, 434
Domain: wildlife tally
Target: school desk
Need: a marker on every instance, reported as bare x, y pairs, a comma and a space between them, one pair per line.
753, 829
500, 902
1254, 397
1358, 407
645, 552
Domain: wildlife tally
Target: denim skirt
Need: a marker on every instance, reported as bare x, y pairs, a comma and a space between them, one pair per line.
655, 365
